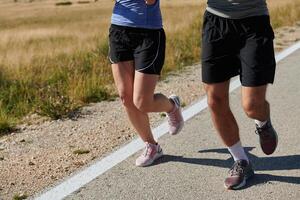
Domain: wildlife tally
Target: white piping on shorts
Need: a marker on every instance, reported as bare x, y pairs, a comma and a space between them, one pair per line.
155, 56
111, 61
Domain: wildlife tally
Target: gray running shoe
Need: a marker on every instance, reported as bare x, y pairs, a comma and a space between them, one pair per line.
239, 173
268, 138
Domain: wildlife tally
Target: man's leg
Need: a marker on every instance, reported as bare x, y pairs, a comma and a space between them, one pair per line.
254, 102
222, 117
227, 128
220, 62
257, 107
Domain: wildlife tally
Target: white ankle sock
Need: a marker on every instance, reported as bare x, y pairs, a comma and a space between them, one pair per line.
238, 152
260, 123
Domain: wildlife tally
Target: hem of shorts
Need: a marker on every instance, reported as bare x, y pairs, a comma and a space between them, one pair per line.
143, 72
116, 62
257, 84
217, 81
243, 84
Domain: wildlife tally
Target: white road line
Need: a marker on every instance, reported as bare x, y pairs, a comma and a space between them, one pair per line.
287, 52
85, 176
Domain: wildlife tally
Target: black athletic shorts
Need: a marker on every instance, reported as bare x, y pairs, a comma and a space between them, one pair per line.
146, 47
242, 47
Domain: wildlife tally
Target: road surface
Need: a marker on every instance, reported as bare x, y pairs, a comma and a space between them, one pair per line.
196, 163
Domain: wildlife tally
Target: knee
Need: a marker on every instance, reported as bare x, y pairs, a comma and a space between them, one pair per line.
253, 106
217, 103
126, 99
142, 104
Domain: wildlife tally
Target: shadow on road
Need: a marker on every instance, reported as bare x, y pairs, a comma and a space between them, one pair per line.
291, 162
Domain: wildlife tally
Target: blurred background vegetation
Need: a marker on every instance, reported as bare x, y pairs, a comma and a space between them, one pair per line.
53, 54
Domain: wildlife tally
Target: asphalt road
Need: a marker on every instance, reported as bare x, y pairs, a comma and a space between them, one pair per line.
196, 163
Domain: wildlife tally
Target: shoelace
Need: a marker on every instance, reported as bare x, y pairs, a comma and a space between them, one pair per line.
237, 169
147, 150
261, 131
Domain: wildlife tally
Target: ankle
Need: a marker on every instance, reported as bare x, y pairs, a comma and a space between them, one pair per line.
238, 152
151, 142
260, 123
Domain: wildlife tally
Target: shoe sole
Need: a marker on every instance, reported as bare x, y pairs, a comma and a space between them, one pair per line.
242, 184
180, 128
157, 156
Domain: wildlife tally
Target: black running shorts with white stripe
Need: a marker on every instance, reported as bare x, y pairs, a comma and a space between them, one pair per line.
146, 47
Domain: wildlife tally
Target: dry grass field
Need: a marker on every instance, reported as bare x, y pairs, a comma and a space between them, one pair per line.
53, 59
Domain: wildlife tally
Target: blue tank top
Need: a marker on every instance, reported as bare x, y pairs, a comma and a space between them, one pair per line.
136, 13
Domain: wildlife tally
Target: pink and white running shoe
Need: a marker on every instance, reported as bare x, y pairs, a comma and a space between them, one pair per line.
175, 118
150, 154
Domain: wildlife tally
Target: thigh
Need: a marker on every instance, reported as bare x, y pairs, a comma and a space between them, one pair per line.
144, 86
257, 55
149, 55
123, 73
220, 51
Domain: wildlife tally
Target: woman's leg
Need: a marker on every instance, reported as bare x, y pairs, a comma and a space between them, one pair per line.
123, 73
143, 94
146, 101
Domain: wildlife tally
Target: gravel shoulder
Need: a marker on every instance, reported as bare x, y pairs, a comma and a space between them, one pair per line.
44, 152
